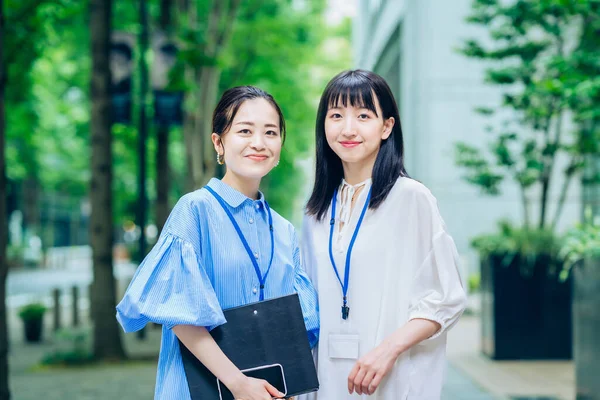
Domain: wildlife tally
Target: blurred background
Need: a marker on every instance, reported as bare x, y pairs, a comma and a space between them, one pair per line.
105, 113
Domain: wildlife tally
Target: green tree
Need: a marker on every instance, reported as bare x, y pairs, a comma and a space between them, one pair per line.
107, 340
539, 54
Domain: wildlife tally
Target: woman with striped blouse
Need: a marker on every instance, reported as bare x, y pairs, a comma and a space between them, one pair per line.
199, 266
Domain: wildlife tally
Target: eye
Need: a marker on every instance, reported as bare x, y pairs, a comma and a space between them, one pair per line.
364, 116
272, 133
335, 116
245, 131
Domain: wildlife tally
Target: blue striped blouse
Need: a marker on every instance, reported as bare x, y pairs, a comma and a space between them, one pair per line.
199, 267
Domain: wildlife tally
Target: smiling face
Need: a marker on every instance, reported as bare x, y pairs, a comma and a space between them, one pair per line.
355, 132
252, 145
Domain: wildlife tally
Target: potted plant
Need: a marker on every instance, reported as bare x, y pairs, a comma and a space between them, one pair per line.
526, 310
32, 316
582, 253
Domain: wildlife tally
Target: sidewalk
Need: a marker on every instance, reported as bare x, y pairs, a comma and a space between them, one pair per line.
132, 380
547, 380
470, 376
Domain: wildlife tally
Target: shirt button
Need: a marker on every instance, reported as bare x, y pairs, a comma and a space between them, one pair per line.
251, 221
255, 255
254, 290
257, 206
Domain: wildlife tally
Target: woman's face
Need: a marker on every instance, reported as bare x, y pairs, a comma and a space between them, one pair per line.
355, 133
252, 145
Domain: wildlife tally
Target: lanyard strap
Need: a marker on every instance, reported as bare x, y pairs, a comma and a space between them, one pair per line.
349, 253
261, 279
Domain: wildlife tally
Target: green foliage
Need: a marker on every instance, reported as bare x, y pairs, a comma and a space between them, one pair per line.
32, 311
474, 282
544, 56
72, 349
32, 28
480, 172
283, 48
511, 240
581, 242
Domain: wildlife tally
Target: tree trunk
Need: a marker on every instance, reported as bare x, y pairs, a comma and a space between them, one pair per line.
525, 203
188, 9
4, 387
107, 339
563, 194
161, 207
204, 162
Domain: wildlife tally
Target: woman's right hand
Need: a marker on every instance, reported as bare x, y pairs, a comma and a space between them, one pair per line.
254, 389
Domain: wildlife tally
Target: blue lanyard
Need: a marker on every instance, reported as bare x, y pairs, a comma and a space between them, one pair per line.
261, 279
345, 308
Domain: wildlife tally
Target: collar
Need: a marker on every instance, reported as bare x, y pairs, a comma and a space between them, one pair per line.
231, 196
365, 183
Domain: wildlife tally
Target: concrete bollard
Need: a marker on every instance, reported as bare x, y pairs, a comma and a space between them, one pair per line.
75, 305
91, 297
57, 309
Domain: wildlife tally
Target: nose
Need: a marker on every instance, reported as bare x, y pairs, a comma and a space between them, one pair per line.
258, 141
348, 127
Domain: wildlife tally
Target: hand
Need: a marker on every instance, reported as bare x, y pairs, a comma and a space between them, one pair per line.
254, 389
371, 368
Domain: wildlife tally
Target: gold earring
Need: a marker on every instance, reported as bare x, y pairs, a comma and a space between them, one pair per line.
220, 159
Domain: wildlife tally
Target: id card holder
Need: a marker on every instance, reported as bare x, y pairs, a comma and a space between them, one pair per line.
343, 346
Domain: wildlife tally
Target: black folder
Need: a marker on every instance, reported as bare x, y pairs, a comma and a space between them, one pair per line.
260, 334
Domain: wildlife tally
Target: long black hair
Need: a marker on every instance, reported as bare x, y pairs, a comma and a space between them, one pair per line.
356, 88
230, 103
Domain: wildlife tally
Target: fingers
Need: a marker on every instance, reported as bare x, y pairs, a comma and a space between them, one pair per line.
273, 390
357, 382
375, 383
351, 377
364, 385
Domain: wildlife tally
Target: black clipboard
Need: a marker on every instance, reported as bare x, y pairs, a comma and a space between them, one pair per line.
258, 334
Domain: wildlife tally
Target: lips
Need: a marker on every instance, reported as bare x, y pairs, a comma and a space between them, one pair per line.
349, 143
257, 157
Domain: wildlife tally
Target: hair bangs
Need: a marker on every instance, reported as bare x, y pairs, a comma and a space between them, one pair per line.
353, 91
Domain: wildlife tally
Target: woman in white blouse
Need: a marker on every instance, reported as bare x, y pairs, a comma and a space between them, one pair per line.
378, 251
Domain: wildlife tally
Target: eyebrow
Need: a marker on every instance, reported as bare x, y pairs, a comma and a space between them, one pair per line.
250, 123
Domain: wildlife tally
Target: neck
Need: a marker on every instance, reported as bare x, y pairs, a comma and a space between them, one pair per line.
358, 172
247, 187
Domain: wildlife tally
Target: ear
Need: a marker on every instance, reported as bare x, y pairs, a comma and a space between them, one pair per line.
216, 139
387, 128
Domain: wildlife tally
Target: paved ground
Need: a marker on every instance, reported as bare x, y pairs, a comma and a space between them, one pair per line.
523, 380
132, 380
470, 375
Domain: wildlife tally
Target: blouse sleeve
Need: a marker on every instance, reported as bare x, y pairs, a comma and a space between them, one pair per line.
437, 291
170, 288
308, 296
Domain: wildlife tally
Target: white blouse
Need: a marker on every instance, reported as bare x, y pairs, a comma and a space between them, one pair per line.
403, 266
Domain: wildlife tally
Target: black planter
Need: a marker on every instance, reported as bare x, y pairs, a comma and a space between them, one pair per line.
33, 330
526, 310
586, 328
